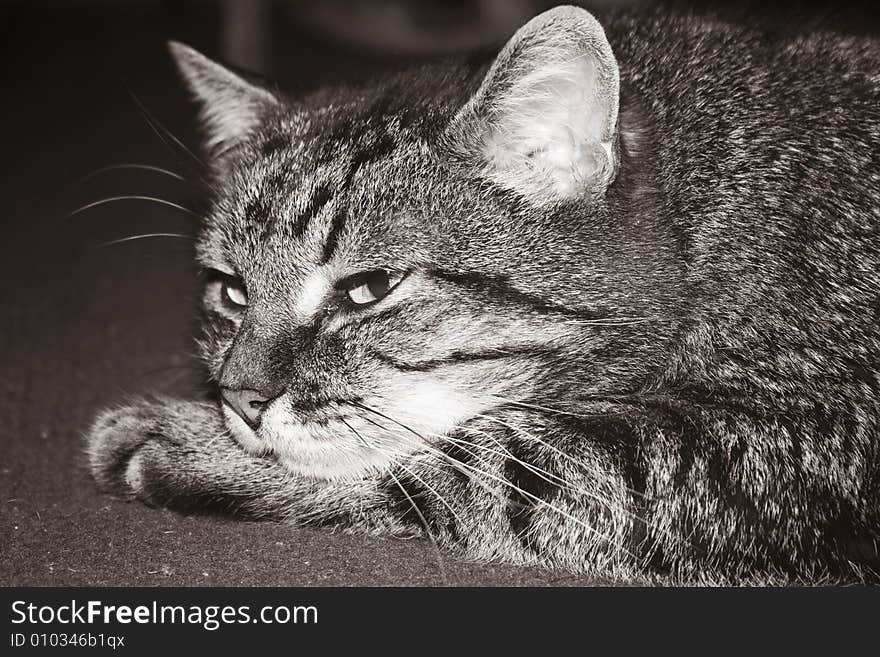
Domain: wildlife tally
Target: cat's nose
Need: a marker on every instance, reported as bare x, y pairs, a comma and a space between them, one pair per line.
247, 404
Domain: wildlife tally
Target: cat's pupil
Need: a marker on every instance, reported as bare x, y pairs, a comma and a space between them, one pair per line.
379, 284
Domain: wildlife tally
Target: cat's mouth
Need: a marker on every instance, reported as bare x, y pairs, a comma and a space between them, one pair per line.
330, 441
357, 437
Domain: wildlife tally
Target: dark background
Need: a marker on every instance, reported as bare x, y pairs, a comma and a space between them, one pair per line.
86, 85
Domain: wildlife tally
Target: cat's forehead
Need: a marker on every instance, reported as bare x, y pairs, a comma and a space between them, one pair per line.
333, 141
356, 182
335, 185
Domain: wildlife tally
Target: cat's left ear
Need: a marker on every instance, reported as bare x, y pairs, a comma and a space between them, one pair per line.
544, 121
231, 107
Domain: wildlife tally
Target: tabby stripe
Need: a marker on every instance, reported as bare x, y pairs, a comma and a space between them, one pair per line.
409, 500
500, 289
271, 188
321, 197
275, 143
332, 242
456, 358
374, 316
257, 211
527, 490
377, 149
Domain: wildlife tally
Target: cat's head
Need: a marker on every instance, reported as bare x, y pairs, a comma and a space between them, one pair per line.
390, 263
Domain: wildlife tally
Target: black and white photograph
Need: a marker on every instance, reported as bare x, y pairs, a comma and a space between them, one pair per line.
484, 293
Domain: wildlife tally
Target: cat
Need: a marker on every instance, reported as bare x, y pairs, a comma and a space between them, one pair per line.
607, 304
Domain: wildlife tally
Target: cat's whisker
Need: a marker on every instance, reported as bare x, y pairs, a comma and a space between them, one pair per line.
509, 484
357, 433
158, 128
523, 432
667, 532
131, 165
113, 199
470, 472
542, 502
424, 522
423, 445
548, 409
144, 236
409, 498
544, 474
611, 321
390, 419
442, 499
383, 450
373, 422
540, 441
157, 125
538, 407
408, 455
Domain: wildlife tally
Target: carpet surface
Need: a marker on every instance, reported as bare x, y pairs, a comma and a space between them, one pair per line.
85, 325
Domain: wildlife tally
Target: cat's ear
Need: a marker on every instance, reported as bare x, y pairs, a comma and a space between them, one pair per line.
544, 121
231, 107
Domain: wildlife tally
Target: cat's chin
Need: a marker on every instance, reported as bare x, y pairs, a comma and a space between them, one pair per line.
315, 451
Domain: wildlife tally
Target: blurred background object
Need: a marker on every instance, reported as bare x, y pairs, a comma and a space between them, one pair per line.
440, 27
428, 27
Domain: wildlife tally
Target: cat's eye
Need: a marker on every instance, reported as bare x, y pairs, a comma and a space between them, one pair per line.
234, 292
372, 286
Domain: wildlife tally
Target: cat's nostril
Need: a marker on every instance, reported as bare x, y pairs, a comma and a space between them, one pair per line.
247, 404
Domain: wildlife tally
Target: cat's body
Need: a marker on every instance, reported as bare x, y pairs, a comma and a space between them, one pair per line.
648, 340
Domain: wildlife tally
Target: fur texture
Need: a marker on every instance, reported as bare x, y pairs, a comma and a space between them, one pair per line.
671, 366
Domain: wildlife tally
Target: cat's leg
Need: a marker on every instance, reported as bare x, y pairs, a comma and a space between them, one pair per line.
178, 454
518, 486
507, 487
613, 490
674, 485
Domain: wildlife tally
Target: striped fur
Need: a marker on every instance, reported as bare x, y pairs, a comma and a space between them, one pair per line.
676, 371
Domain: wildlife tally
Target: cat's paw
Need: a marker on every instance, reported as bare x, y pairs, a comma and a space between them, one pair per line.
178, 454
118, 442
136, 451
